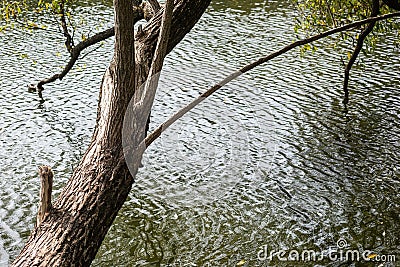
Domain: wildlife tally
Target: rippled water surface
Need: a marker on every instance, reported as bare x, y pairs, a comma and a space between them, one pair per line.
273, 159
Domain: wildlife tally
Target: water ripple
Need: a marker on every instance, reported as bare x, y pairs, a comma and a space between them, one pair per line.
308, 171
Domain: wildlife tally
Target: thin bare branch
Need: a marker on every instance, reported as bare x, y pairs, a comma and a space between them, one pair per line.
69, 42
76, 51
91, 51
73, 26
357, 50
158, 131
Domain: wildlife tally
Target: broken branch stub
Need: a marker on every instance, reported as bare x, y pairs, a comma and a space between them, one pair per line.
46, 187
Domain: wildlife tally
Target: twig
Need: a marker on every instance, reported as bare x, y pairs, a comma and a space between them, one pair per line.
72, 26
76, 51
69, 42
328, 6
157, 132
54, 17
91, 51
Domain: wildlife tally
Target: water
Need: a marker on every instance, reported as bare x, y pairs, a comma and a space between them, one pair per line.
272, 159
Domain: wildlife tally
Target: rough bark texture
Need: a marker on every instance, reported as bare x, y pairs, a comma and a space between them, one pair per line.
46, 183
71, 234
185, 16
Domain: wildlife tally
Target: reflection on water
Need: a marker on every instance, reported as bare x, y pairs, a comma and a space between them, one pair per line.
307, 171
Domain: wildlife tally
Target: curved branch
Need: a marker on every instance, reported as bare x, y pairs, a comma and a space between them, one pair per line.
158, 131
75, 53
357, 50
151, 84
76, 50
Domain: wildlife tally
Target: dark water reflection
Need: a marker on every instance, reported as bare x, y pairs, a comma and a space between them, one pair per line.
306, 171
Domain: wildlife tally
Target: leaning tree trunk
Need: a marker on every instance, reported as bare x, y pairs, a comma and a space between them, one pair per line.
72, 232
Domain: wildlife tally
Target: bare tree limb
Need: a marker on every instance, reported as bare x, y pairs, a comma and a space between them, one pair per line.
158, 131
69, 42
91, 51
75, 52
159, 55
145, 103
357, 50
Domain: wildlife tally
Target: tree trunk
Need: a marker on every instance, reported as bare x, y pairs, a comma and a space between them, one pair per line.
72, 232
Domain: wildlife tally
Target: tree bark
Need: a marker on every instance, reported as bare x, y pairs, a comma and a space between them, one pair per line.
46, 181
71, 234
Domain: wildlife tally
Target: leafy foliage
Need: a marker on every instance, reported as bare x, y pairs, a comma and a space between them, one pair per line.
319, 15
24, 14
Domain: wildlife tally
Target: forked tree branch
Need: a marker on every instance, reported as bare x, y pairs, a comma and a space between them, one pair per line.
143, 106
75, 51
158, 131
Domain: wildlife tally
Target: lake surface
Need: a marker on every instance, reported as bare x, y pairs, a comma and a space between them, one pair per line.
273, 161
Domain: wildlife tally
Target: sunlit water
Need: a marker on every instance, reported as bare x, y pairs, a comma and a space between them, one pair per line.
273, 159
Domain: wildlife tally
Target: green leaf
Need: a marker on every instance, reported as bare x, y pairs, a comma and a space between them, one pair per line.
241, 263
